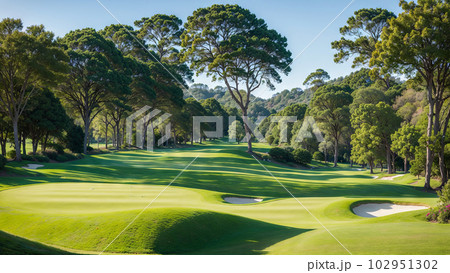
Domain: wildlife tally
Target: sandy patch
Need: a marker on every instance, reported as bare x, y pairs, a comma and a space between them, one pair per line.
371, 210
391, 177
375, 176
33, 166
241, 200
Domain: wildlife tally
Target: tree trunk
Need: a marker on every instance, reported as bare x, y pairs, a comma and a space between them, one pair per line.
24, 144
430, 154
86, 134
443, 169
336, 141
192, 138
3, 144
371, 167
381, 166
35, 143
106, 135
388, 160
405, 168
16, 139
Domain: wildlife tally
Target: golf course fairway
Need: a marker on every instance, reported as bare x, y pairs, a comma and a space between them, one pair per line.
84, 206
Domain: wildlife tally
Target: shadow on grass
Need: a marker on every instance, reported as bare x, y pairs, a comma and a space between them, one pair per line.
14, 245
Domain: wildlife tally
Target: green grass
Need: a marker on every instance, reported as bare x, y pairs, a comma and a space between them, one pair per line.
83, 205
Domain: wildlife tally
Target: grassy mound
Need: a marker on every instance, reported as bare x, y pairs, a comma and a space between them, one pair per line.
156, 231
14, 245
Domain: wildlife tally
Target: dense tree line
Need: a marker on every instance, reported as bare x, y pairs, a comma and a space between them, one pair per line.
77, 90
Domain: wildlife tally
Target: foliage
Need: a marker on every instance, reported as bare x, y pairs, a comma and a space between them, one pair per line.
280, 154
366, 27
302, 156
11, 154
2, 162
319, 156
330, 108
317, 78
230, 43
74, 139
405, 140
441, 213
29, 60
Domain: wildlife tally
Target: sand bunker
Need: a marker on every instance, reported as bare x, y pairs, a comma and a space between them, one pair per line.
382, 209
33, 166
391, 177
242, 200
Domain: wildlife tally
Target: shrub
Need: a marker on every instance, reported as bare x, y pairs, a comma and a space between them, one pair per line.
318, 156
51, 154
302, 156
89, 149
441, 213
280, 154
11, 154
74, 139
62, 158
57, 147
41, 158
27, 157
270, 139
2, 162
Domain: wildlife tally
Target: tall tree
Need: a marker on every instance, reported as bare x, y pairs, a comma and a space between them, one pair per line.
418, 41
404, 143
96, 71
43, 117
382, 121
29, 60
230, 43
363, 31
330, 107
366, 145
317, 78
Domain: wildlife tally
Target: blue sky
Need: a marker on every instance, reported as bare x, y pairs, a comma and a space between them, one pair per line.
299, 20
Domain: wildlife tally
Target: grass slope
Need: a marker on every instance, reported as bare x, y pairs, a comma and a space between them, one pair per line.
84, 204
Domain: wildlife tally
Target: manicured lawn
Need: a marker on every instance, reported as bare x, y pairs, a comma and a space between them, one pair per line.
81, 206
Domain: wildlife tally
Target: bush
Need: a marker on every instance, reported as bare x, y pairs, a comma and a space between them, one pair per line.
27, 157
280, 154
2, 162
57, 147
318, 156
41, 158
302, 156
74, 139
89, 149
11, 154
441, 213
51, 154
62, 158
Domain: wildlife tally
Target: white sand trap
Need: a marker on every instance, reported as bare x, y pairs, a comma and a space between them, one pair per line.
241, 200
375, 176
391, 177
371, 210
33, 166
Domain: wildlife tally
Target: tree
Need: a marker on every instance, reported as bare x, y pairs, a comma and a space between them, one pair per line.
404, 143
330, 107
193, 108
366, 145
418, 41
162, 33
317, 78
381, 121
367, 95
230, 43
96, 71
364, 30
5, 132
44, 116
29, 60
236, 131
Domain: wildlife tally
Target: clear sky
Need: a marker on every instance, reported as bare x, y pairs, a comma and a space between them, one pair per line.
299, 20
